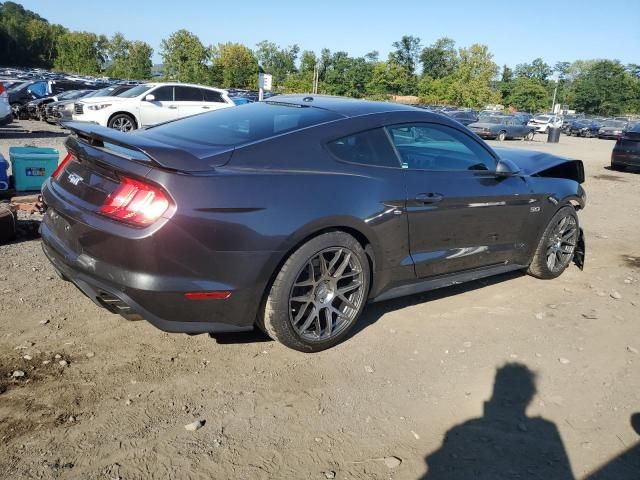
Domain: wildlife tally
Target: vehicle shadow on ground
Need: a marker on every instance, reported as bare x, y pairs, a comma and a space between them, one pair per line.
626, 465
374, 311
504, 442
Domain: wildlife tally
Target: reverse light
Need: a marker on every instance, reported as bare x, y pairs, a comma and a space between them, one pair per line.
214, 295
99, 106
135, 202
63, 164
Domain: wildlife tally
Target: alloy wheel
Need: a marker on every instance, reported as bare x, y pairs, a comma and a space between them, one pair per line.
327, 294
561, 244
123, 124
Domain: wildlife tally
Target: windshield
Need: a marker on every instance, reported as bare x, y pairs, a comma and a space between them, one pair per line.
103, 92
542, 118
19, 86
135, 91
250, 123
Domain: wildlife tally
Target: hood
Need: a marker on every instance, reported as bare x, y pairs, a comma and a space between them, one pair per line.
534, 163
92, 100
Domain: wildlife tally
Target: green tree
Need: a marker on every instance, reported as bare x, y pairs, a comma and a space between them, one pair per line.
439, 59
185, 58
348, 76
406, 53
505, 85
605, 88
81, 52
472, 78
238, 65
390, 78
139, 61
528, 95
537, 70
279, 62
436, 91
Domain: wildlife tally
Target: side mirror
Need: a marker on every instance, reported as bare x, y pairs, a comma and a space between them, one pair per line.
150, 98
506, 168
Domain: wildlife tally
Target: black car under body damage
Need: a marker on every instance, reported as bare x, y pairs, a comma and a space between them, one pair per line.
292, 214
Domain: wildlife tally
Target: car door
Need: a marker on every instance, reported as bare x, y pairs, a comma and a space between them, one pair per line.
461, 214
190, 101
517, 128
161, 108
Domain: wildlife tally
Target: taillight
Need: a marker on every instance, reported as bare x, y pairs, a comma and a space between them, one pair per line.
135, 202
60, 168
1, 88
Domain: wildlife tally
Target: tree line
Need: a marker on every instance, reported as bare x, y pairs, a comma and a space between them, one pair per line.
440, 73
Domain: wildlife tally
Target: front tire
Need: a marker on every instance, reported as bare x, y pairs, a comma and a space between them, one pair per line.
123, 122
556, 246
502, 136
318, 294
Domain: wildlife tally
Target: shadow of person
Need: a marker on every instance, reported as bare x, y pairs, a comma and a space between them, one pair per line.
625, 466
504, 442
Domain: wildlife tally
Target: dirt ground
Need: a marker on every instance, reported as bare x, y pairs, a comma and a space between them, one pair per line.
508, 370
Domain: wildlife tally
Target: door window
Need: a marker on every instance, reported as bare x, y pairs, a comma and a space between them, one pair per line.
423, 146
163, 94
188, 94
368, 148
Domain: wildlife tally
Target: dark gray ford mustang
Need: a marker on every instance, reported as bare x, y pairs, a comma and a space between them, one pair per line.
293, 214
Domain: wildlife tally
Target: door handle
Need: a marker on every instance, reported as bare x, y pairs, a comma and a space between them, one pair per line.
206, 108
172, 107
429, 197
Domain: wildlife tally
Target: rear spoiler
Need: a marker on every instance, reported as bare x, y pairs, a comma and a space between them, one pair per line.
160, 153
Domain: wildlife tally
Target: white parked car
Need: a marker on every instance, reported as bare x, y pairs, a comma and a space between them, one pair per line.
542, 123
149, 104
6, 115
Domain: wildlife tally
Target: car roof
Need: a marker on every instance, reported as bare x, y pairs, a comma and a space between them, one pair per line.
348, 107
178, 84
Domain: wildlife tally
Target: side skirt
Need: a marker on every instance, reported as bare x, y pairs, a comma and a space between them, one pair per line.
446, 281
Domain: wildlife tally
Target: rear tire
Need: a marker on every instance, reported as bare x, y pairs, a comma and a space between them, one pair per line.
529, 137
557, 245
617, 167
318, 294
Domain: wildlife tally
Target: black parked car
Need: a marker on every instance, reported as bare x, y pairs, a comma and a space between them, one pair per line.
463, 116
612, 128
626, 151
584, 128
293, 214
35, 109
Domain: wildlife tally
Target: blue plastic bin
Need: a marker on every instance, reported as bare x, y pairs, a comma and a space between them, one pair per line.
32, 166
4, 177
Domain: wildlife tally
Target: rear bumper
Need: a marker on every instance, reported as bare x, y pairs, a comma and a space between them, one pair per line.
626, 159
155, 298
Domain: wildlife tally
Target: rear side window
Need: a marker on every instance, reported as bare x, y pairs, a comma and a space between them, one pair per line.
237, 126
367, 148
188, 94
212, 96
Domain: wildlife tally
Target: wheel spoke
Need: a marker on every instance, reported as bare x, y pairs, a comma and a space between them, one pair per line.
301, 313
301, 299
328, 316
352, 286
347, 302
345, 263
334, 260
307, 323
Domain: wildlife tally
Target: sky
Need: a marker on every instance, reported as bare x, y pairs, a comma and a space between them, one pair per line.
515, 31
